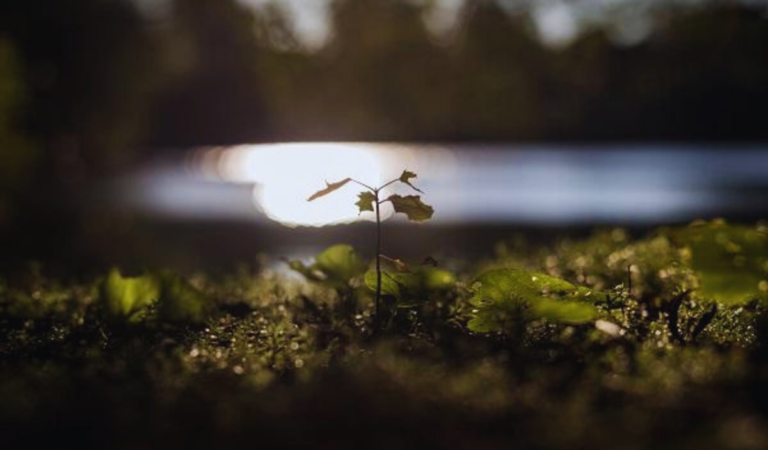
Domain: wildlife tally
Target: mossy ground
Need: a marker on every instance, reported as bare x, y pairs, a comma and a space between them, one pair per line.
280, 362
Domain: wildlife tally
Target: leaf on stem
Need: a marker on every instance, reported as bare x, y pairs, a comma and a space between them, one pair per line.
366, 201
411, 206
406, 177
130, 297
329, 187
335, 266
398, 264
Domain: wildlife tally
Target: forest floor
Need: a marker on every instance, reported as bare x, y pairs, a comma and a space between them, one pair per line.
611, 341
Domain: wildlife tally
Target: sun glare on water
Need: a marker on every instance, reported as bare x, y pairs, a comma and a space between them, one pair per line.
285, 175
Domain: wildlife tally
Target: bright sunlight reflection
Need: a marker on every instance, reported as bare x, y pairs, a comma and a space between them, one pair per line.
287, 174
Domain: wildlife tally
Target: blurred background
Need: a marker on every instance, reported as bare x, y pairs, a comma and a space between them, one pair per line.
188, 133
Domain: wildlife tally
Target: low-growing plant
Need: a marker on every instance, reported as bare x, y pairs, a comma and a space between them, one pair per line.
371, 200
133, 299
504, 300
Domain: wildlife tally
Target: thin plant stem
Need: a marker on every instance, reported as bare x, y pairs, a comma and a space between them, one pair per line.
363, 185
378, 260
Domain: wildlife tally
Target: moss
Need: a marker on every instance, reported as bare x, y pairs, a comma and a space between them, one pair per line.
276, 359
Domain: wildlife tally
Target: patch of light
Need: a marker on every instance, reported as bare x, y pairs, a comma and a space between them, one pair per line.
309, 18
285, 175
556, 23
442, 16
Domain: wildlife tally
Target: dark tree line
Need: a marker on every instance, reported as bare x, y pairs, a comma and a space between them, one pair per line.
88, 87
91, 82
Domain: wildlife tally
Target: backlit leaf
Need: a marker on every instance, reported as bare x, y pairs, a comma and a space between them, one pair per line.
392, 283
129, 297
406, 177
366, 200
410, 289
329, 187
340, 262
505, 297
564, 311
335, 266
180, 301
411, 206
730, 261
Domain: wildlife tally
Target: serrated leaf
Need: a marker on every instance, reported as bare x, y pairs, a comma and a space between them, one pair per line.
366, 200
406, 177
411, 206
329, 187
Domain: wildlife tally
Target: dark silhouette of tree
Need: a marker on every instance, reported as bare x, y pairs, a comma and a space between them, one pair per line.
501, 74
383, 76
216, 98
90, 68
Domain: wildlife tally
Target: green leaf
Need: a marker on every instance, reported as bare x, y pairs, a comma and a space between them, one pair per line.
340, 262
335, 266
504, 297
392, 283
406, 177
180, 301
437, 279
366, 201
309, 272
412, 288
563, 311
730, 261
329, 187
129, 298
411, 206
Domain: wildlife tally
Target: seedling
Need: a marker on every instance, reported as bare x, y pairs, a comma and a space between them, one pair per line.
370, 200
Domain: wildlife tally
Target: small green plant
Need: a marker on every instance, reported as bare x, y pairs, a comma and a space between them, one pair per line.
132, 299
371, 200
505, 299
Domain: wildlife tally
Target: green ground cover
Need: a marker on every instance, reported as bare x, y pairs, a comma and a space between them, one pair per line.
614, 341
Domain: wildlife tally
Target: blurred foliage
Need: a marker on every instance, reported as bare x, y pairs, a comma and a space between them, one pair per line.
731, 261
414, 286
129, 298
137, 299
216, 95
18, 155
91, 68
213, 72
338, 266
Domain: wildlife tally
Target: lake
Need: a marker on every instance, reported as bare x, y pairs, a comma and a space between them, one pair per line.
466, 184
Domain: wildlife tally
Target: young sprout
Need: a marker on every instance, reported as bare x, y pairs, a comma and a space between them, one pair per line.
370, 200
